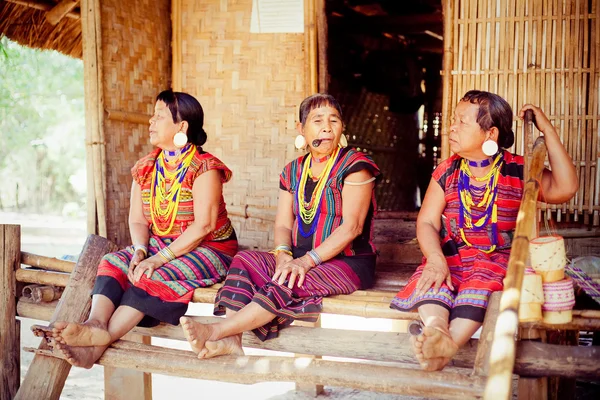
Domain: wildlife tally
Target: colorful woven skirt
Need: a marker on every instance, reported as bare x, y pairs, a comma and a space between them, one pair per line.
164, 297
475, 275
249, 280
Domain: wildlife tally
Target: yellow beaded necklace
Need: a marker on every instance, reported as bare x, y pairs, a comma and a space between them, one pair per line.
159, 194
308, 210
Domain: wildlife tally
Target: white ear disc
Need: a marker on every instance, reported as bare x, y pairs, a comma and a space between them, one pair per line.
489, 148
180, 139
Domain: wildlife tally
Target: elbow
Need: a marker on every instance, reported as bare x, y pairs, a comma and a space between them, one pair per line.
354, 230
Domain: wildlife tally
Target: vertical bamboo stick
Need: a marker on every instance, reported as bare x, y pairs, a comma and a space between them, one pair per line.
447, 78
310, 46
594, 68
322, 40
176, 45
10, 258
94, 100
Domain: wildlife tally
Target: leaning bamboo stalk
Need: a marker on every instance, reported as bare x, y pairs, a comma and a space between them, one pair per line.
59, 11
252, 369
47, 263
42, 277
448, 60
502, 357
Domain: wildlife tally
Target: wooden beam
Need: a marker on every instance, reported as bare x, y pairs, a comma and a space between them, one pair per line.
128, 384
47, 263
59, 11
43, 6
46, 376
42, 277
252, 369
10, 369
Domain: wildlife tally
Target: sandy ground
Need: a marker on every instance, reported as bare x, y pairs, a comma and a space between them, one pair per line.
56, 236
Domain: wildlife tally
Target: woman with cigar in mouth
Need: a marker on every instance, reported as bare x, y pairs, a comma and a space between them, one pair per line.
322, 240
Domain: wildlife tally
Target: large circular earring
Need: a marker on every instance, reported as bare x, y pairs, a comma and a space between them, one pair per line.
489, 147
300, 142
343, 141
180, 139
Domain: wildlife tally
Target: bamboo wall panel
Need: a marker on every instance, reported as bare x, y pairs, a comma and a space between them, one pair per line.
136, 55
250, 86
544, 52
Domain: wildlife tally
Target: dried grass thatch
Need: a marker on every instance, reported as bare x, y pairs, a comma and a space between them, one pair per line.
25, 23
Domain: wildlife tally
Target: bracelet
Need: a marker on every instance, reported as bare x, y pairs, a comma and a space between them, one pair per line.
315, 257
167, 254
282, 248
141, 247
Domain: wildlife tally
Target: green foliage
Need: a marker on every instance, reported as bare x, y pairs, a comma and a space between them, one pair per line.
42, 128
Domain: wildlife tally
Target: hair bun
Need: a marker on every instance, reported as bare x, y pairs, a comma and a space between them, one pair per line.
509, 139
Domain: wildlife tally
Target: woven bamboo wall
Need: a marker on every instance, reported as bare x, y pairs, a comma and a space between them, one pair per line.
136, 55
249, 86
544, 52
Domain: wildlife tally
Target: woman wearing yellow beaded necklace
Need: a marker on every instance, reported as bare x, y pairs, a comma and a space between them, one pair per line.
182, 237
322, 239
471, 205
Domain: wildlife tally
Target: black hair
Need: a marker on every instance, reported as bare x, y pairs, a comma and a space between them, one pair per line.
493, 111
316, 101
185, 107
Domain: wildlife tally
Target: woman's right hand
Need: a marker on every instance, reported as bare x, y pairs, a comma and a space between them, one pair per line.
434, 273
137, 258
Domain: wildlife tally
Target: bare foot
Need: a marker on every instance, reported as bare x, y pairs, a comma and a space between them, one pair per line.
42, 331
435, 364
82, 356
435, 343
196, 333
231, 345
90, 333
418, 350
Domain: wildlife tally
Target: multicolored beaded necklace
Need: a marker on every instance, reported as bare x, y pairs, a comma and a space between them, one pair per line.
159, 194
308, 210
488, 193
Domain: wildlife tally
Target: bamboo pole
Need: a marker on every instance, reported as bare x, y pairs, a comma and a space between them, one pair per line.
252, 369
46, 377
322, 42
10, 375
59, 11
502, 358
448, 62
47, 263
94, 100
311, 85
176, 45
42, 277
43, 7
41, 293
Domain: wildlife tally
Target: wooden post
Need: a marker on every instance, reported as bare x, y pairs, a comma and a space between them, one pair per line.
482, 358
308, 388
128, 384
529, 388
311, 85
10, 256
322, 41
177, 74
502, 357
448, 62
46, 376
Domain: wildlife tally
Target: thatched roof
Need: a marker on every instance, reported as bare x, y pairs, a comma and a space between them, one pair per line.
25, 22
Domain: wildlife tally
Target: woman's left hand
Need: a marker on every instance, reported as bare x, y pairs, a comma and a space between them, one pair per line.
147, 266
296, 269
541, 121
